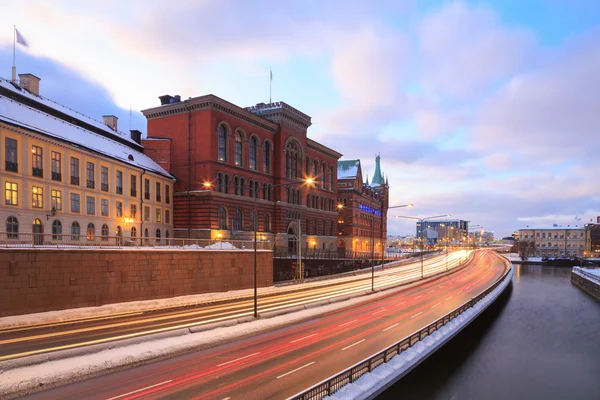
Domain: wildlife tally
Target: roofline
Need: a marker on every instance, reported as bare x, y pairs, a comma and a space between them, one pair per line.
322, 148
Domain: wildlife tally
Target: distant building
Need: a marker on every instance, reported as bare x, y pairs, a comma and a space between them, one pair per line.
592, 239
453, 229
69, 175
556, 241
362, 215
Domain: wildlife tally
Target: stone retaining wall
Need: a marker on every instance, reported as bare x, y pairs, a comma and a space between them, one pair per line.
589, 286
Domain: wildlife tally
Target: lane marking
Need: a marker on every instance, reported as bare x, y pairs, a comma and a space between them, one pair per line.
346, 323
419, 313
305, 337
434, 306
399, 304
390, 327
419, 296
354, 344
227, 398
294, 370
460, 292
238, 359
449, 298
139, 390
380, 311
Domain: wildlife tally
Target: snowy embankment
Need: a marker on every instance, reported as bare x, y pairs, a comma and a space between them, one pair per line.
375, 382
513, 257
592, 274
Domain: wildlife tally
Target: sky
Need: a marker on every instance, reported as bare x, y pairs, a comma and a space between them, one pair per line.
487, 111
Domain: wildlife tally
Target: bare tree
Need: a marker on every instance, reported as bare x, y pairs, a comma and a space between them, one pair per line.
524, 248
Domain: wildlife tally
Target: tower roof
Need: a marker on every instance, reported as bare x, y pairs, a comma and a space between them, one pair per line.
377, 176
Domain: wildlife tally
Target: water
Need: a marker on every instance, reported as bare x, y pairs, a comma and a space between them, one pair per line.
539, 340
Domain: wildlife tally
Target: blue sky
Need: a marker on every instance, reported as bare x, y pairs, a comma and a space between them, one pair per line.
485, 110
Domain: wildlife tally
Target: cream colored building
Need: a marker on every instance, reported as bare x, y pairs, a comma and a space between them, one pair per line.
556, 241
65, 173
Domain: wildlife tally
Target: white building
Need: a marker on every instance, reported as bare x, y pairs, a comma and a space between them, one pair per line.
556, 241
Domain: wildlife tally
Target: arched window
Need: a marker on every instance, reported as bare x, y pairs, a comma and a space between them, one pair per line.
237, 220
222, 142
319, 226
75, 231
133, 232
237, 149
307, 200
220, 182
267, 157
287, 194
253, 221
91, 232
167, 234
251, 188
222, 218
331, 178
242, 186
104, 232
226, 185
323, 175
236, 185
315, 172
119, 231
56, 230
292, 154
157, 234
12, 227
257, 188
267, 222
332, 227
253, 152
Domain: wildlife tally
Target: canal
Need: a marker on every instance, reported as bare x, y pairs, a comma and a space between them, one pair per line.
539, 340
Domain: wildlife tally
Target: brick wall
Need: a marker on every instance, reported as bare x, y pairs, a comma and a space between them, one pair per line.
45, 280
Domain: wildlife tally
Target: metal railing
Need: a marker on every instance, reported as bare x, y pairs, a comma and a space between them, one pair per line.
324, 254
349, 375
587, 275
82, 240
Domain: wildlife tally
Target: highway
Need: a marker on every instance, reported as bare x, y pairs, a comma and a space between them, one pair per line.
49, 337
282, 362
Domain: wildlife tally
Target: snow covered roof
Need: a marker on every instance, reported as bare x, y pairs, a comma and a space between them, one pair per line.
21, 115
347, 169
552, 228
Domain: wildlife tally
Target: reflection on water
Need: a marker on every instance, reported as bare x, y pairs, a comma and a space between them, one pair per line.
539, 340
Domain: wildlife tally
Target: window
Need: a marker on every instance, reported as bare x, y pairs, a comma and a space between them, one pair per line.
267, 158
147, 189
146, 213
12, 228
253, 152
37, 164
104, 179
253, 221
158, 198
56, 198
222, 218
56, 230
104, 207
237, 222
75, 203
119, 182
104, 232
242, 186
251, 188
146, 232
119, 209
292, 154
56, 166
222, 143
167, 194
133, 186
90, 183
119, 231
91, 232
167, 234
38, 197
236, 185
315, 172
91, 205
157, 235
10, 155
74, 171
237, 149
167, 217
11, 194
75, 231
132, 211
267, 223
158, 216
331, 179
133, 232
323, 176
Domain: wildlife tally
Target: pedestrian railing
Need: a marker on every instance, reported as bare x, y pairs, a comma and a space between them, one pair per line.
349, 375
90, 240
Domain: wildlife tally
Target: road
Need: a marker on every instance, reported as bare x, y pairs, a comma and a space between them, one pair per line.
280, 363
49, 337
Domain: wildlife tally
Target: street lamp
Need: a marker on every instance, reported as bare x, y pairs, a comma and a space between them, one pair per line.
309, 181
421, 220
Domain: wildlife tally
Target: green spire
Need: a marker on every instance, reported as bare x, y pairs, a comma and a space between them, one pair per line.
386, 181
377, 177
367, 180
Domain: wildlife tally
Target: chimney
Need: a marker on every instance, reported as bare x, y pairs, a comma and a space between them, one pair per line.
165, 99
176, 99
31, 83
136, 136
110, 121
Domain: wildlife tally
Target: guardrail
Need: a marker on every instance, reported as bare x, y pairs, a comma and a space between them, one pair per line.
92, 241
324, 254
587, 275
351, 374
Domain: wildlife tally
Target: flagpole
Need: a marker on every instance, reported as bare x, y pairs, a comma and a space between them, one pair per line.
14, 67
270, 83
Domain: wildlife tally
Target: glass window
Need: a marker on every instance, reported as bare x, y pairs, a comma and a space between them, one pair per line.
91, 232
75, 203
38, 197
237, 149
11, 155
331, 179
104, 232
158, 198
90, 182
133, 232
56, 230
147, 189
167, 194
119, 209
56, 166
75, 231
237, 220
37, 164
56, 197
222, 143
167, 217
91, 205
104, 179
158, 215
222, 218
104, 207
252, 220
74, 171
253, 152
146, 213
133, 186
119, 182
11, 194
267, 223
12, 228
132, 211
267, 158
292, 154
157, 234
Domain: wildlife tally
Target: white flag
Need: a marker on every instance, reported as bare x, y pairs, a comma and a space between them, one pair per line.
21, 39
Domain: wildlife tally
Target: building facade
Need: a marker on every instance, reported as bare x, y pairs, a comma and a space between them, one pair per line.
242, 169
451, 229
556, 241
362, 211
64, 173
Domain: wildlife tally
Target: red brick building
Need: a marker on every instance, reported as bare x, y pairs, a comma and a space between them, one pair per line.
262, 150
362, 221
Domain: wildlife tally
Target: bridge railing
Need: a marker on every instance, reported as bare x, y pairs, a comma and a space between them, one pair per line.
349, 375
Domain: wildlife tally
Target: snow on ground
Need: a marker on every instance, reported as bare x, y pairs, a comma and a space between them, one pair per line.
515, 257
592, 274
387, 373
595, 271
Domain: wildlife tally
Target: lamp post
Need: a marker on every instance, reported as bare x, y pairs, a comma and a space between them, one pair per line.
308, 181
421, 220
